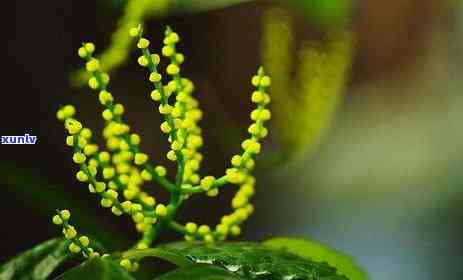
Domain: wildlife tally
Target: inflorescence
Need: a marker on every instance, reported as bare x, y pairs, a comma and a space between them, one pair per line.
117, 172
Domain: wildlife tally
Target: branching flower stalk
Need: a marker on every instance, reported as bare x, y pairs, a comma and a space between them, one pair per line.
118, 172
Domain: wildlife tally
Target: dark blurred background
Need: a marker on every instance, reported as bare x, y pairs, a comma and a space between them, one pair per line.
385, 186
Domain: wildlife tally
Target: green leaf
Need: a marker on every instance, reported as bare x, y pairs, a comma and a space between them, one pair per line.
202, 272
246, 259
315, 251
37, 263
163, 253
96, 269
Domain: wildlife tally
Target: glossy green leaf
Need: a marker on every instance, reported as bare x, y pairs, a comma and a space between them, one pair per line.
163, 253
253, 260
37, 263
320, 253
200, 272
96, 269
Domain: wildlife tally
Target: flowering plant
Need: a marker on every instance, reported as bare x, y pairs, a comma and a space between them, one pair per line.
121, 175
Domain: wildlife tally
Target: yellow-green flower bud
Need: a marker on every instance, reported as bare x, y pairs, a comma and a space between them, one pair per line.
171, 155
161, 210
90, 47
204, 229
140, 158
235, 230
126, 264
160, 170
105, 97
191, 228
155, 77
116, 211
207, 182
70, 232
167, 51
57, 220
165, 127
213, 192
106, 203
73, 126
143, 43
92, 65
146, 175
172, 69
81, 176
93, 83
143, 61
84, 241
65, 214
156, 95
134, 31
100, 187
74, 248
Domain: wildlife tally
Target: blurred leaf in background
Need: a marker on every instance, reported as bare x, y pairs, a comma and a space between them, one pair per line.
304, 103
323, 13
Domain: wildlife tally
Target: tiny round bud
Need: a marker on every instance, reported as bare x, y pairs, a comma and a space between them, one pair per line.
140, 158
134, 31
191, 228
171, 155
156, 95
78, 158
126, 264
161, 170
106, 203
57, 220
65, 214
90, 47
155, 77
172, 69
143, 43
167, 51
81, 176
161, 210
84, 240
74, 248
143, 61
204, 229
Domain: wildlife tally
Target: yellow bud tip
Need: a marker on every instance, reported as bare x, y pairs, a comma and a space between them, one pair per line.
155, 77
84, 240
161, 210
74, 248
161, 170
191, 228
135, 31
140, 158
89, 47
65, 214
173, 69
126, 264
143, 43
57, 220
